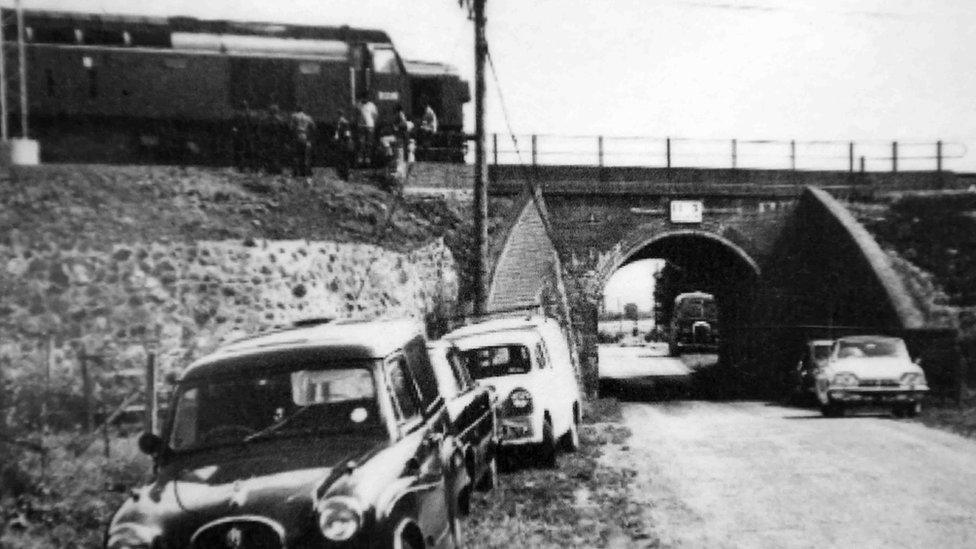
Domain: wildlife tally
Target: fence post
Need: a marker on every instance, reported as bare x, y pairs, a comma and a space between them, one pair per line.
151, 403
49, 359
599, 146
668, 151
534, 150
850, 156
105, 438
494, 148
793, 154
862, 164
86, 390
894, 156
735, 154
938, 156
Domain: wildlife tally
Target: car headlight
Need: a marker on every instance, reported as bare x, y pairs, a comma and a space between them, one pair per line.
339, 518
521, 400
131, 536
913, 379
845, 379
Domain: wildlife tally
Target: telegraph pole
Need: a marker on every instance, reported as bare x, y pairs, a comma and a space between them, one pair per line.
480, 161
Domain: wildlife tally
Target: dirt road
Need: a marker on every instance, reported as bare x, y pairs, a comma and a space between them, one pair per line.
749, 474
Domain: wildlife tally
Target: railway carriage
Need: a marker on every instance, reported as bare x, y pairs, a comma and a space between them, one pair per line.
127, 89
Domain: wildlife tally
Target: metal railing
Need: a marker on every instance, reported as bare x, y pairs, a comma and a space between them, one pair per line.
680, 152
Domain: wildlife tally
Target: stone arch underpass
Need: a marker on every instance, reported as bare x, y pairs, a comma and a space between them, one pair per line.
784, 266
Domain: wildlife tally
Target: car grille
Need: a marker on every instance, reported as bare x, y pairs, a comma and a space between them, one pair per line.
879, 383
238, 534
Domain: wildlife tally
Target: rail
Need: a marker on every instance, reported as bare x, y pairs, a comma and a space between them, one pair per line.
681, 152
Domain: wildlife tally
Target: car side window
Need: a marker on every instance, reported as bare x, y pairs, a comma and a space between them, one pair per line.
406, 397
422, 371
461, 374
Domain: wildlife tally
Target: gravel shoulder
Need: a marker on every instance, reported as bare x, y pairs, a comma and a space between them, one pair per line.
750, 474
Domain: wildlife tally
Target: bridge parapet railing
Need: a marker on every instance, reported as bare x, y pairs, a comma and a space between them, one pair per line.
683, 152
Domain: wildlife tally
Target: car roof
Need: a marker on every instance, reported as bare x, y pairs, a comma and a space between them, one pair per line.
820, 342
864, 338
520, 322
340, 340
522, 336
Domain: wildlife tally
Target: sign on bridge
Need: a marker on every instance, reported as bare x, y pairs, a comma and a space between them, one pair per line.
687, 211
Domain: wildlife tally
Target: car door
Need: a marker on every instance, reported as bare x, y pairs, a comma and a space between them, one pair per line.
475, 425
427, 433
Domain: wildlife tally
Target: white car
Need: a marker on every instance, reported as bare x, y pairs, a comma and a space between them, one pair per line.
870, 370
528, 362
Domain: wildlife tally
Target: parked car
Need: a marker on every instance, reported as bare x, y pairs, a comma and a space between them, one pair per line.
317, 436
528, 362
471, 408
870, 370
803, 380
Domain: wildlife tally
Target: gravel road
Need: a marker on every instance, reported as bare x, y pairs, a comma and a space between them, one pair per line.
751, 474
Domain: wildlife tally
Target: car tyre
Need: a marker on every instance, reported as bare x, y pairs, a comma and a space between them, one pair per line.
913, 409
571, 440
489, 481
457, 532
832, 409
549, 449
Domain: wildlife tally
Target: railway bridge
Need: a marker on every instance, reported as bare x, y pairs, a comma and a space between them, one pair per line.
782, 254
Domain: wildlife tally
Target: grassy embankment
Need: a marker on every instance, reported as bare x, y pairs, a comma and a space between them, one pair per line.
582, 503
932, 239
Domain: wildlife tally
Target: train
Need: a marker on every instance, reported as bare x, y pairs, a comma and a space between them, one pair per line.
694, 324
130, 89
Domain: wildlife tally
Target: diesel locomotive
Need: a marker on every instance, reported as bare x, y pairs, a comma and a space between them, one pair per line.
116, 88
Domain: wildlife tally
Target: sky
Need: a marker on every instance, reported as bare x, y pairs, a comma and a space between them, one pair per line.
872, 71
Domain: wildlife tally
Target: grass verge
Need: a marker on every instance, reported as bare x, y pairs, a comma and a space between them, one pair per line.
582, 503
959, 419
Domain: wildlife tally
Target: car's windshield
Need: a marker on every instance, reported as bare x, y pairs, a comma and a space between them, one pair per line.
874, 348
821, 351
497, 361
223, 410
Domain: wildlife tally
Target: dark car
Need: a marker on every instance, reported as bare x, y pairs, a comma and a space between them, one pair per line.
317, 436
815, 355
471, 407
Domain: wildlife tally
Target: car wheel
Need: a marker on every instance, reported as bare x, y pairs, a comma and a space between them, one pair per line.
571, 440
913, 409
457, 533
489, 481
549, 449
832, 409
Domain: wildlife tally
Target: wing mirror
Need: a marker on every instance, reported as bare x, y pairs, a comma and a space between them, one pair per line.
917, 360
150, 444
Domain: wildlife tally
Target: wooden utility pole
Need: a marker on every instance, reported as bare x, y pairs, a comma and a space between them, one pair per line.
480, 161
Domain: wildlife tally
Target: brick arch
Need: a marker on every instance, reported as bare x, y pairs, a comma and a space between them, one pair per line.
634, 243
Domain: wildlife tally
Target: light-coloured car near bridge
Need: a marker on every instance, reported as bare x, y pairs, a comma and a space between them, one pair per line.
528, 362
870, 370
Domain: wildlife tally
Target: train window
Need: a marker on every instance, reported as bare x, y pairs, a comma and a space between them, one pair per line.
104, 37
49, 80
309, 68
385, 61
53, 35
175, 63
93, 82
150, 38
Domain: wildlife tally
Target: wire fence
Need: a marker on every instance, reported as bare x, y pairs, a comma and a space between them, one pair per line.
679, 152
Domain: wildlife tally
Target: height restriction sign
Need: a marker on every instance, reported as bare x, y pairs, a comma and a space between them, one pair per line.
687, 211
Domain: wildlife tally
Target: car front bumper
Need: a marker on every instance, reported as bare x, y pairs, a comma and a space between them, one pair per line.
868, 395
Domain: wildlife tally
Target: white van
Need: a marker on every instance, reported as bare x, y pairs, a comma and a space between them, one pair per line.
528, 362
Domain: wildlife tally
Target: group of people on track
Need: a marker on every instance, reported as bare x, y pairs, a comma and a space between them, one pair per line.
272, 140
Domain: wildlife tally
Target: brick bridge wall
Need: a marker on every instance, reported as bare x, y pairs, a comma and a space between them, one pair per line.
818, 267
